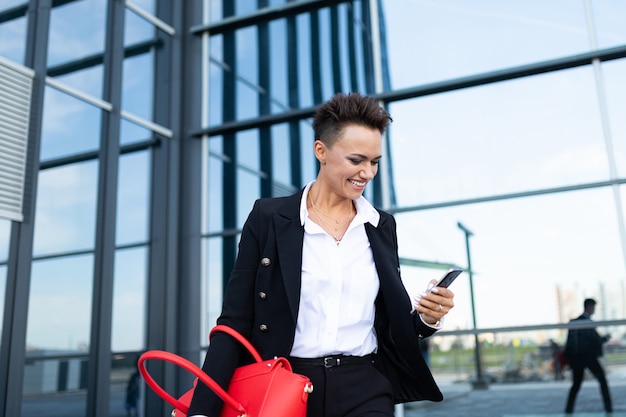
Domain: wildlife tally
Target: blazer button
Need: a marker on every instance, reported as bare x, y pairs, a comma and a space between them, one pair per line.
262, 295
263, 328
265, 262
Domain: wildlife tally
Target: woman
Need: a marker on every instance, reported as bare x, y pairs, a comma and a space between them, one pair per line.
317, 280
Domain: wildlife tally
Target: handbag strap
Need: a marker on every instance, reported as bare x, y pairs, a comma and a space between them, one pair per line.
234, 333
190, 367
195, 370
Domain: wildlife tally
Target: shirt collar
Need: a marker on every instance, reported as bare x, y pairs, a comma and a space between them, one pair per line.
365, 212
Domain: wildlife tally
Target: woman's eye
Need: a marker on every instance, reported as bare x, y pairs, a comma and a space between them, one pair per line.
356, 161
376, 162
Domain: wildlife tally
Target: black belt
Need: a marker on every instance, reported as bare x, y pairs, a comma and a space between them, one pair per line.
331, 361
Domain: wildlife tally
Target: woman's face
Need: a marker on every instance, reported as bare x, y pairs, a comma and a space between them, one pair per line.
351, 162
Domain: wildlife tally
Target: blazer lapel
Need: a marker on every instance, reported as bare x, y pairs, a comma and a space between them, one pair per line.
289, 241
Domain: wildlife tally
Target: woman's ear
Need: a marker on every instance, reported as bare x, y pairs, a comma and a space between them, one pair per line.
320, 151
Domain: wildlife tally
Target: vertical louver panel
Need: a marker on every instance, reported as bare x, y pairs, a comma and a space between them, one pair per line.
15, 93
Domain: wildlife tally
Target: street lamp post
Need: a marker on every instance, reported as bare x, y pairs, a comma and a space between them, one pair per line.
479, 382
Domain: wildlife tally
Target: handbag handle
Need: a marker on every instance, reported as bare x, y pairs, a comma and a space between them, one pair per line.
196, 371
190, 367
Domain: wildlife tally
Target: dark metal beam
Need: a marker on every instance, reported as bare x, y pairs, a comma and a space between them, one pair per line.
91, 155
99, 365
13, 13
510, 196
269, 120
543, 67
97, 59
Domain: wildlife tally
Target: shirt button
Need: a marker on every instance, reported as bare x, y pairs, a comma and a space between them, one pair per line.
263, 328
262, 295
265, 262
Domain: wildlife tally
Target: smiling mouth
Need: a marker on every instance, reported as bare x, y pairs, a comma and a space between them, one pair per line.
358, 183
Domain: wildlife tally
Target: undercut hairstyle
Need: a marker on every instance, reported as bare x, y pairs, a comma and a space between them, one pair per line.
348, 109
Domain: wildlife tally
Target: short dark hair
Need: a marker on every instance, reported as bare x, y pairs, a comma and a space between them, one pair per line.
589, 302
345, 109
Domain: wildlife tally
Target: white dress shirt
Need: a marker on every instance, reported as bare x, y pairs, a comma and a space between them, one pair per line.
339, 287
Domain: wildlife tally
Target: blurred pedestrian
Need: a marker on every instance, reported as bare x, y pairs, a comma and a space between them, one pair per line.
557, 360
582, 349
132, 393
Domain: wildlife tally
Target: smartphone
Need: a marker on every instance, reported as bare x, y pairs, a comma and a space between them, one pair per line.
448, 278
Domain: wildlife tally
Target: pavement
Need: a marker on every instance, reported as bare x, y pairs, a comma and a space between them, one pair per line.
525, 399
520, 399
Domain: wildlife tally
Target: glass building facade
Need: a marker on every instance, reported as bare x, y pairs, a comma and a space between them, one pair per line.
153, 125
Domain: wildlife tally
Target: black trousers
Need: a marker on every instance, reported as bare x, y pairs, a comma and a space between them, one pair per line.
578, 373
352, 390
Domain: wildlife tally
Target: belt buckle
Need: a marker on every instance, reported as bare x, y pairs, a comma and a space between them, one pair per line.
330, 361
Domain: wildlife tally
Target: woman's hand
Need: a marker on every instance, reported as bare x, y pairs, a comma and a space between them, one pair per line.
433, 304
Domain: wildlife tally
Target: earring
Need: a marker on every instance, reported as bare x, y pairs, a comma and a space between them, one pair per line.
323, 162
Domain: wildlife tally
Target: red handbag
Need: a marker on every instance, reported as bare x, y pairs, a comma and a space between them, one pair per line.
262, 389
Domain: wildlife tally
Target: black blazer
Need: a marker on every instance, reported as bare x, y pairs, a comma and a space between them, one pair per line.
262, 298
583, 344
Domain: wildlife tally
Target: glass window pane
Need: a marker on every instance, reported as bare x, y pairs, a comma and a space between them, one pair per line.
63, 286
88, 81
131, 132
245, 6
132, 201
309, 162
129, 300
137, 29
147, 5
522, 357
248, 172
615, 92
345, 48
5, 236
212, 298
58, 384
541, 248
3, 286
213, 206
216, 69
532, 133
281, 154
138, 90
609, 17
125, 377
303, 29
215, 11
360, 36
13, 39
76, 31
9, 4
65, 217
247, 74
325, 64
70, 126
248, 149
278, 64
479, 36
249, 189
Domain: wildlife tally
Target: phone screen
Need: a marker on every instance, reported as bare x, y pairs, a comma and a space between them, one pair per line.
449, 277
